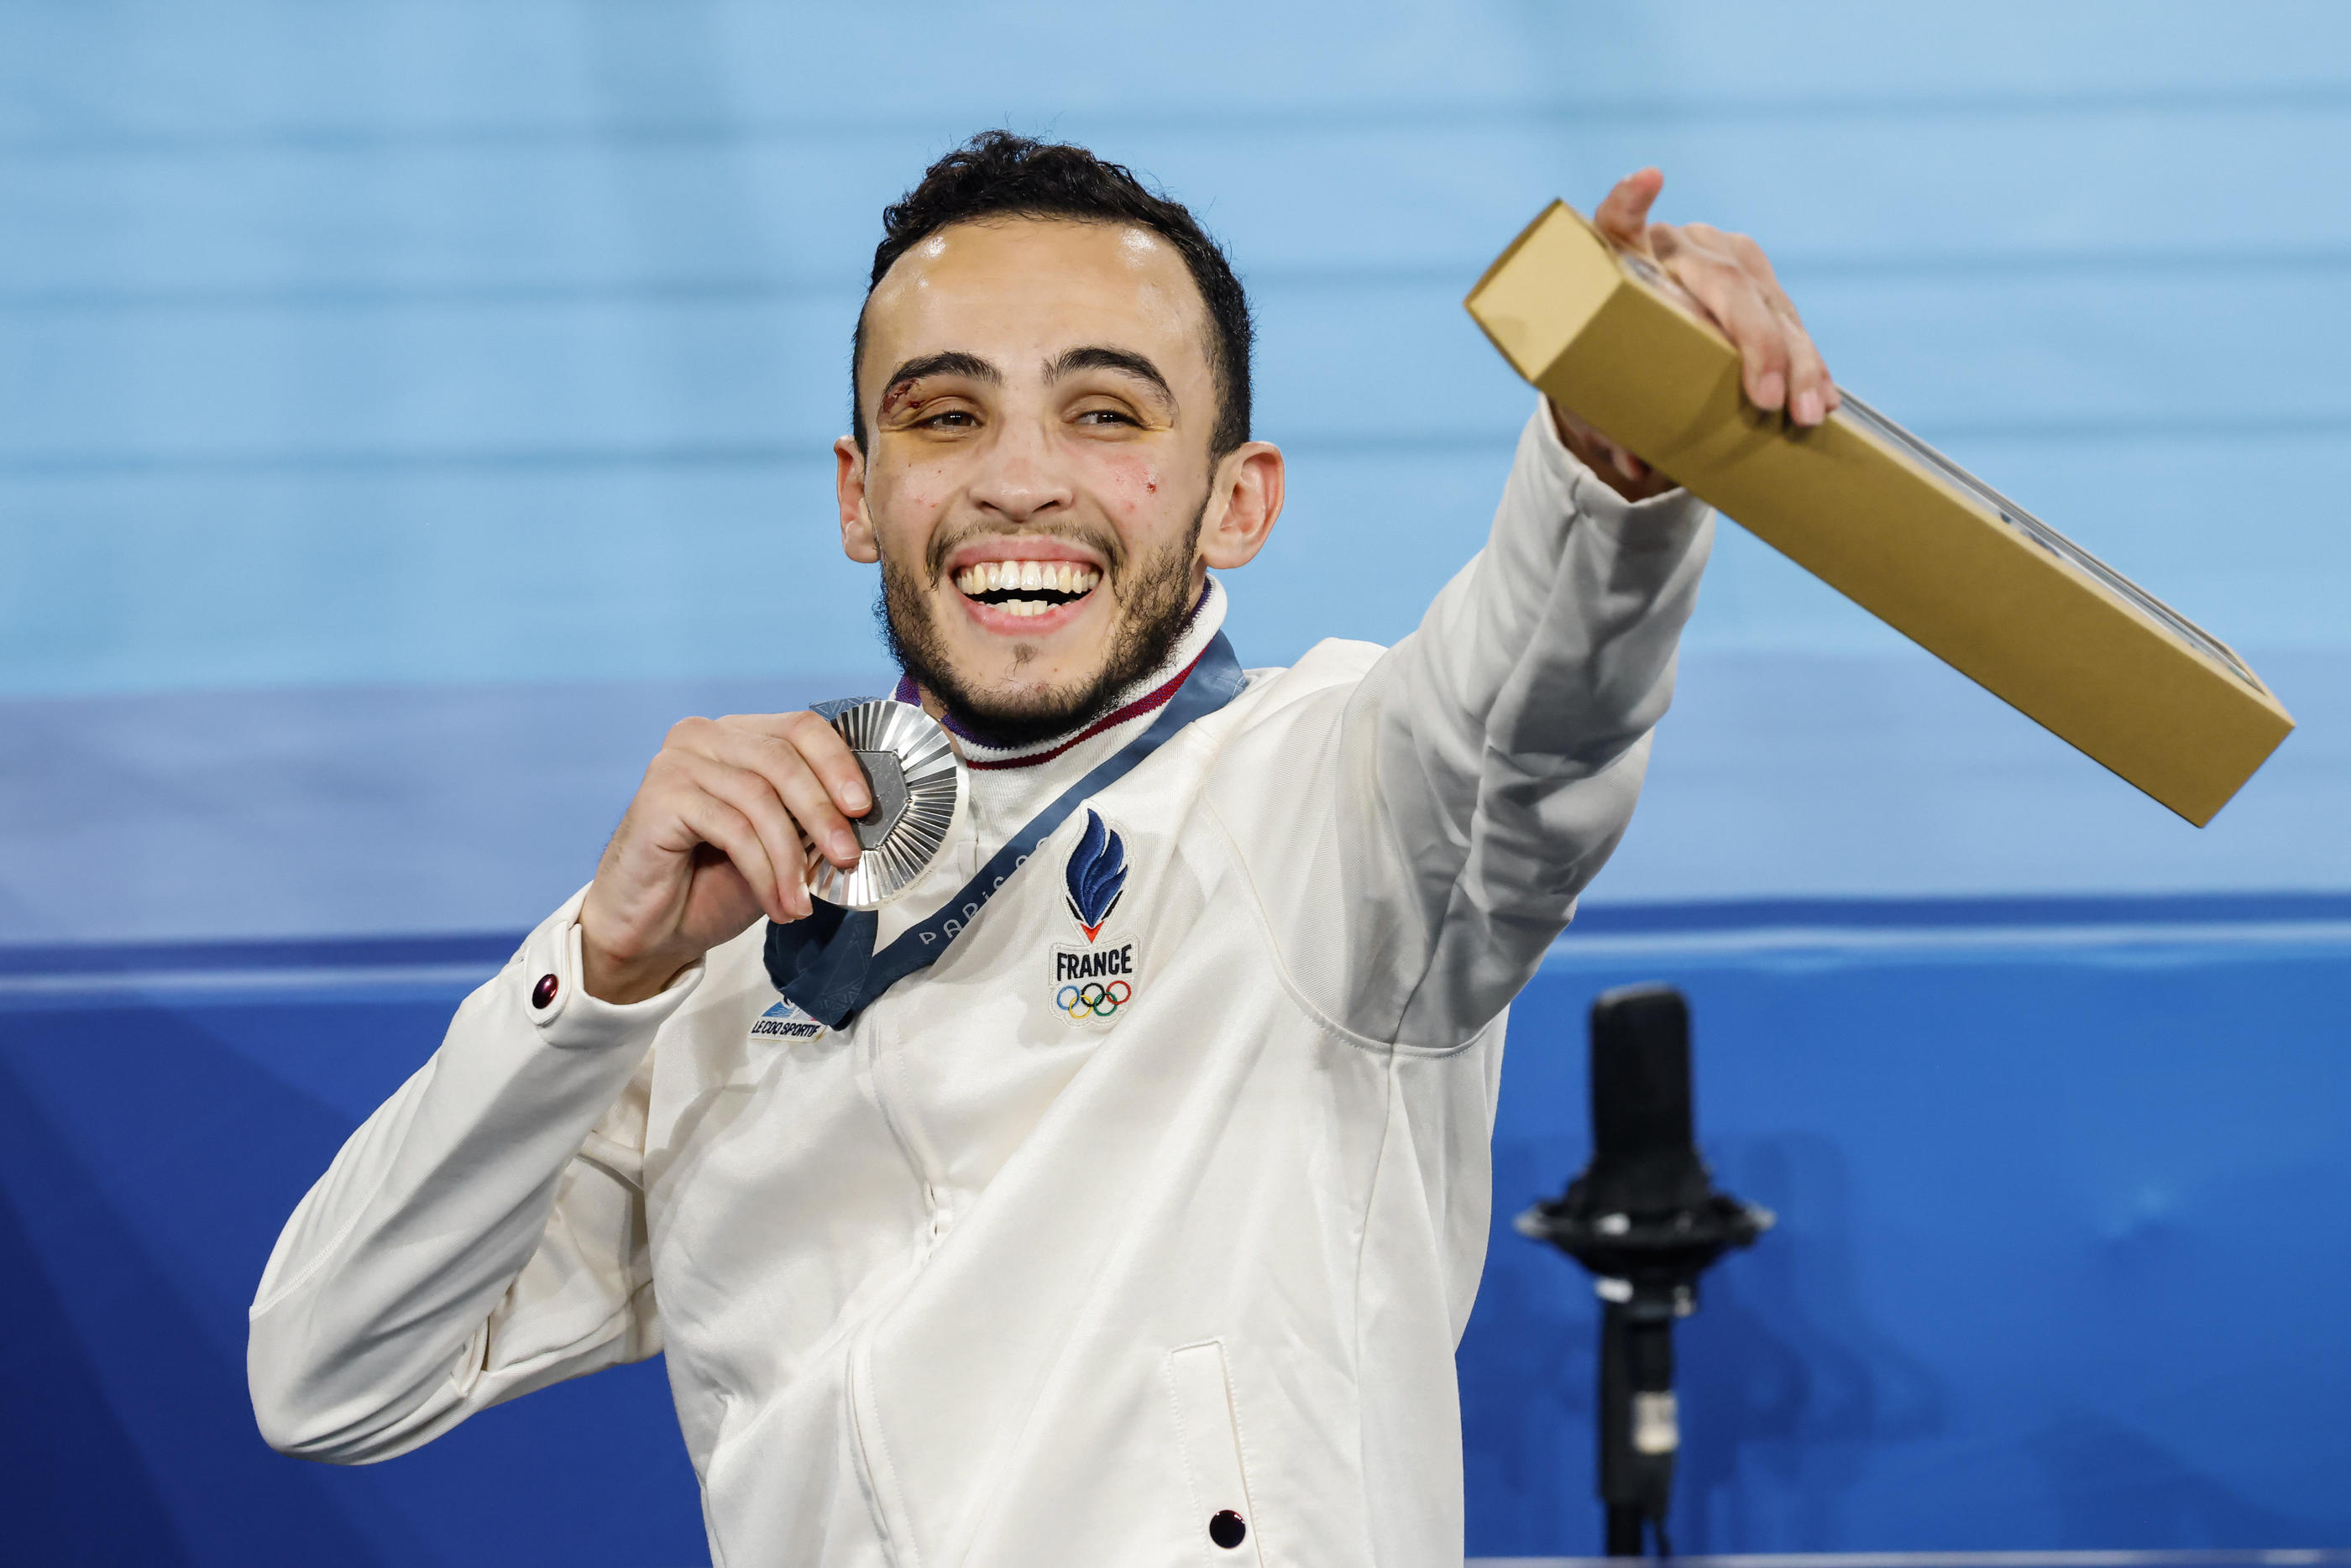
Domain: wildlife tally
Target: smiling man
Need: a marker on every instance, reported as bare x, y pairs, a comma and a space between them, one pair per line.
1118, 1194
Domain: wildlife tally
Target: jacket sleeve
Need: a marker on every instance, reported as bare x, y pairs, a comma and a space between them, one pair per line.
481, 1235
1478, 774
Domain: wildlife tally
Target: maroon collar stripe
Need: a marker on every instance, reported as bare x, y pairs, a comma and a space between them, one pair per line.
1150, 703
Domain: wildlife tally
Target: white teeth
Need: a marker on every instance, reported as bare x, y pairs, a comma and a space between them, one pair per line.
998, 576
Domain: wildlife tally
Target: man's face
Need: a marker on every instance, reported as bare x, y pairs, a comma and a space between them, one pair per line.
1039, 401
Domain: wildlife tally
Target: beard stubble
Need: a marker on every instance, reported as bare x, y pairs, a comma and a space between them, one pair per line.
1154, 596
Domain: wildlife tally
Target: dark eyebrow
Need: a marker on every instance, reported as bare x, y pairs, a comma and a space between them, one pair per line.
953, 362
1096, 357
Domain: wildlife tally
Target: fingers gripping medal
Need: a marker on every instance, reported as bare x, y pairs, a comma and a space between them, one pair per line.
917, 785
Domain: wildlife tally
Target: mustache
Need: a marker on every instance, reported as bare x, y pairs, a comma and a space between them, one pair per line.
1104, 542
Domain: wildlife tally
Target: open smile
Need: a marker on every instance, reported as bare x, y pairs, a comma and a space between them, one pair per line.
1026, 596
1027, 589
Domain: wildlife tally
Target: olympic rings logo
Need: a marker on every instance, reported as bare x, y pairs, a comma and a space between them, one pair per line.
1093, 999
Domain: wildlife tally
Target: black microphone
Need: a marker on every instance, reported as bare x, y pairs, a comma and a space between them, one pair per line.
1643, 1155
1645, 1218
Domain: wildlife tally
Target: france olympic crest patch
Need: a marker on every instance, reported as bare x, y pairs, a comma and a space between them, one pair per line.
1093, 983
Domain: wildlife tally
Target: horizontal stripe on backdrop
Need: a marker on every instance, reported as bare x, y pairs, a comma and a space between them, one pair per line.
59, 975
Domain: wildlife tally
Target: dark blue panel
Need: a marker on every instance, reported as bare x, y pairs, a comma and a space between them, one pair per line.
2060, 1259
148, 1155
2059, 1263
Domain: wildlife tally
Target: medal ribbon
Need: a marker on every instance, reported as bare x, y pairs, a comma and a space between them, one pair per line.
826, 966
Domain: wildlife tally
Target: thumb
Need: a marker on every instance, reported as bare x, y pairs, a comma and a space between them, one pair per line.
1624, 214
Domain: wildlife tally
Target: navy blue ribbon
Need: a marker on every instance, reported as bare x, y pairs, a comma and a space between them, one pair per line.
826, 966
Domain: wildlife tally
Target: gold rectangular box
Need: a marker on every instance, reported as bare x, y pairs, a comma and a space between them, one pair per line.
1886, 521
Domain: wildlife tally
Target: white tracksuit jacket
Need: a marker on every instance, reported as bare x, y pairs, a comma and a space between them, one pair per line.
971, 1283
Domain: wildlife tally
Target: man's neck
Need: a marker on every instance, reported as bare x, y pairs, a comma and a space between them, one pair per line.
1139, 697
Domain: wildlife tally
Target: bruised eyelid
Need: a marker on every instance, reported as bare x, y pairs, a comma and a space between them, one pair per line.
1143, 410
917, 404
923, 389
1132, 392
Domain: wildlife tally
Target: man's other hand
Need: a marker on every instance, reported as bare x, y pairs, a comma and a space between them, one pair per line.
1726, 278
720, 833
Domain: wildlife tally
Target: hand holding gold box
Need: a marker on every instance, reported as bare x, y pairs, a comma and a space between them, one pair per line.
1886, 521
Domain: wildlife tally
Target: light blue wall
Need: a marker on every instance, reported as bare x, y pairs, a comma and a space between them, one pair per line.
415, 342
405, 346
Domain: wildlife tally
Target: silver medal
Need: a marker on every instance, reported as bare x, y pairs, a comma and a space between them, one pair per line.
917, 783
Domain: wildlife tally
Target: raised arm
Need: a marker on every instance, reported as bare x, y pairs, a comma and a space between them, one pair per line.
1486, 766
1498, 750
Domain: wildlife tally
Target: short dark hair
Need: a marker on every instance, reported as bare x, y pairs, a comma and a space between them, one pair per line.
999, 174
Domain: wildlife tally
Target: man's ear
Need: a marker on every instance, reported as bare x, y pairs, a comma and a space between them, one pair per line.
849, 487
1243, 505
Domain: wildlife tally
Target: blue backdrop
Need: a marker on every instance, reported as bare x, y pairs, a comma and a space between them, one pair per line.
407, 410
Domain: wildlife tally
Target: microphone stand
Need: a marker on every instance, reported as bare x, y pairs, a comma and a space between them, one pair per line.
1646, 1220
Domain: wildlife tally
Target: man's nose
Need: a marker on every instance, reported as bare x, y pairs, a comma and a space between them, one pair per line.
1020, 474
